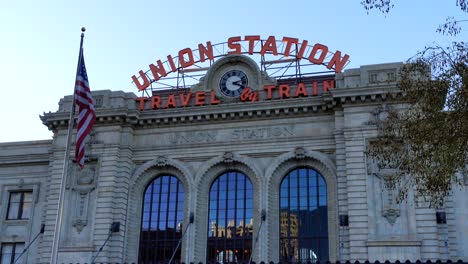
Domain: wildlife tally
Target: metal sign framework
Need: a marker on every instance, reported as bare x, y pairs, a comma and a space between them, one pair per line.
293, 66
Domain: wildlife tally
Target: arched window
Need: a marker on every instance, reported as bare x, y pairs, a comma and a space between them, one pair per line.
230, 221
161, 222
303, 216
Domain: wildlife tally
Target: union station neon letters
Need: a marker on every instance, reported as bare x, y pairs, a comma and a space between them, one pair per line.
316, 55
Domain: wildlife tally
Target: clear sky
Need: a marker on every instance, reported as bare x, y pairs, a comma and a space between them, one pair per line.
40, 40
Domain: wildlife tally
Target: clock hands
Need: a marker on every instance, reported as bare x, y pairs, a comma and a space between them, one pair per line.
238, 83
233, 82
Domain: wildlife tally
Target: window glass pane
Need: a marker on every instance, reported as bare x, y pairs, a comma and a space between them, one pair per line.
293, 183
222, 204
18, 249
212, 215
284, 191
229, 224
26, 210
249, 203
322, 200
303, 202
321, 181
162, 218
180, 214
293, 203
303, 190
248, 194
248, 215
28, 196
313, 201
221, 214
323, 190
172, 206
231, 204
302, 182
7, 251
164, 188
15, 197
213, 206
303, 225
19, 204
313, 191
7, 248
13, 211
6, 258
284, 202
231, 195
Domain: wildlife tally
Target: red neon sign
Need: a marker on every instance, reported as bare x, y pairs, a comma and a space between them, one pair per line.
269, 92
315, 54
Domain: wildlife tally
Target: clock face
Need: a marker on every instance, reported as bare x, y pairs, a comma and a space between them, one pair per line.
233, 82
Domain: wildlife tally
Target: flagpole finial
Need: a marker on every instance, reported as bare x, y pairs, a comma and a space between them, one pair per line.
83, 29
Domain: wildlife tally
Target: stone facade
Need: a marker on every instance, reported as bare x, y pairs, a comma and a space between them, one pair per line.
263, 139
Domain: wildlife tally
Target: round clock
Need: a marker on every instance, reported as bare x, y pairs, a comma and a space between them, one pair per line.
233, 82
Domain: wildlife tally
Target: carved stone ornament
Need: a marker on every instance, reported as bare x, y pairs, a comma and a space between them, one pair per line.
21, 183
79, 224
379, 115
228, 157
81, 183
391, 214
161, 161
390, 207
299, 153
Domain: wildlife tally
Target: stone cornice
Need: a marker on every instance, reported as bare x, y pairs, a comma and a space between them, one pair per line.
26, 152
24, 159
230, 111
362, 94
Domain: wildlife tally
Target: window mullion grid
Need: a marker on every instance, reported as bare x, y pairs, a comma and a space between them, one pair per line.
298, 210
288, 218
236, 188
176, 212
247, 236
309, 209
226, 218
244, 219
166, 216
216, 236
20, 205
13, 250
308, 190
150, 224
157, 238
8, 207
316, 177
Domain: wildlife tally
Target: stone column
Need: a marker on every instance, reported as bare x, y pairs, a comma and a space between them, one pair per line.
356, 193
112, 197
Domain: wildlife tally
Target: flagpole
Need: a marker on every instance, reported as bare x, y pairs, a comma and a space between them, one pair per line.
58, 220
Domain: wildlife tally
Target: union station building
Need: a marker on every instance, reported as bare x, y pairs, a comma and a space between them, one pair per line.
242, 165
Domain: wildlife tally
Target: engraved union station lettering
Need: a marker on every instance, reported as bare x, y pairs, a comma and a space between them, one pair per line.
193, 137
262, 133
231, 135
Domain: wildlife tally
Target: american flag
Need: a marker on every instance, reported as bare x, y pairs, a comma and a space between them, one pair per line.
86, 114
